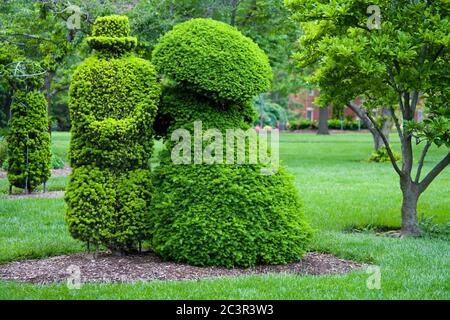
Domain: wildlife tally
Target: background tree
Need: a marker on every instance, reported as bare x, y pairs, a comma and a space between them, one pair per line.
403, 62
39, 29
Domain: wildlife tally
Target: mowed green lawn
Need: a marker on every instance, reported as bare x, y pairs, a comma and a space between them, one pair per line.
340, 190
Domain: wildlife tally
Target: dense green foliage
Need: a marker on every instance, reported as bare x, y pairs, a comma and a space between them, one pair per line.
112, 105
29, 156
227, 215
213, 59
397, 65
108, 208
221, 214
57, 162
179, 109
381, 155
300, 124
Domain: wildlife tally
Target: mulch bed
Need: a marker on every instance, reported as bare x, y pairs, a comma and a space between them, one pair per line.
55, 172
48, 194
105, 267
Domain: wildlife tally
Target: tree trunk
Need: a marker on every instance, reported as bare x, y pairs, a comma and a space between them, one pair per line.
386, 129
377, 141
323, 121
48, 96
410, 191
234, 7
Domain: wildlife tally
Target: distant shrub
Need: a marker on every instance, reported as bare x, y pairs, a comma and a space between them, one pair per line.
381, 155
351, 124
57, 162
431, 229
346, 124
334, 124
300, 124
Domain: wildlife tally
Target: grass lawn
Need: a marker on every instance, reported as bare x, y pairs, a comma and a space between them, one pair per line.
340, 190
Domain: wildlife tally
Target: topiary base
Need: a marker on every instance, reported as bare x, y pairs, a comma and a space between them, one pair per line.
226, 215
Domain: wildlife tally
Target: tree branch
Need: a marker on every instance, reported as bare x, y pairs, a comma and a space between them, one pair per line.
386, 143
358, 111
421, 161
434, 173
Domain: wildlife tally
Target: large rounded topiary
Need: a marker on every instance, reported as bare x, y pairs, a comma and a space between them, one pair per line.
29, 154
112, 106
221, 214
214, 59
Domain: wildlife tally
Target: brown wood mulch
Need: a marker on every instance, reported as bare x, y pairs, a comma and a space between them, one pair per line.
105, 267
48, 194
64, 172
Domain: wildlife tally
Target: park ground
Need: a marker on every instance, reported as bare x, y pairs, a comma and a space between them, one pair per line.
350, 202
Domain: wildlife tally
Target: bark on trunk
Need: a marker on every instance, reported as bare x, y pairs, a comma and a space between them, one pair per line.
410, 191
386, 129
323, 121
48, 96
234, 7
377, 141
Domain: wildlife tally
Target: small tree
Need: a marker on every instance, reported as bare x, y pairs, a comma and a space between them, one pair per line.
397, 57
29, 155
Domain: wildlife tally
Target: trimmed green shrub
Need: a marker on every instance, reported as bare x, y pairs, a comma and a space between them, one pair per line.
335, 124
222, 214
300, 124
109, 208
112, 105
3, 150
57, 162
179, 109
28, 139
213, 59
381, 155
228, 215
346, 124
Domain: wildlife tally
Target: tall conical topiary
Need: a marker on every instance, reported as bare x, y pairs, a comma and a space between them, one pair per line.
112, 105
29, 155
220, 214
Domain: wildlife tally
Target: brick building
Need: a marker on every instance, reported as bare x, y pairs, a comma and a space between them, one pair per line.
302, 104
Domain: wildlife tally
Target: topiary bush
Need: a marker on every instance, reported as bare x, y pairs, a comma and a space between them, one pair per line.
213, 59
222, 214
112, 104
28, 139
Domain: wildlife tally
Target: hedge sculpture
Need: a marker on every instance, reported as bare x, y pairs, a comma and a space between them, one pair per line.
221, 214
29, 155
112, 104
